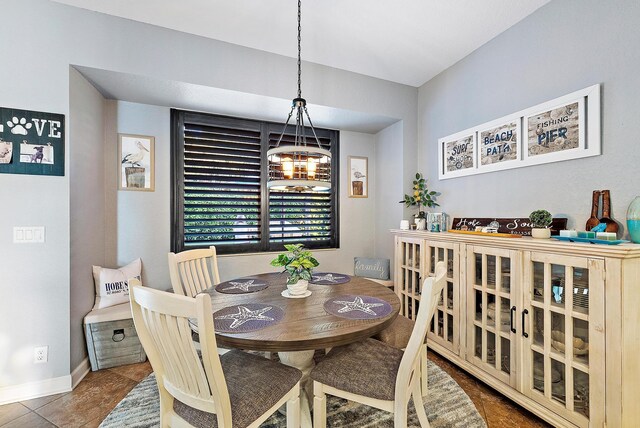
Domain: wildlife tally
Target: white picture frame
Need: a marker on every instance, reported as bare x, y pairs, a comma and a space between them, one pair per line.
587, 133
457, 154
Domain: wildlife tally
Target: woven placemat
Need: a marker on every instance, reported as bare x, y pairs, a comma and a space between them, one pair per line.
246, 317
329, 278
241, 286
357, 307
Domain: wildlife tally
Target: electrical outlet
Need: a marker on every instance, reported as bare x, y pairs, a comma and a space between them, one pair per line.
41, 354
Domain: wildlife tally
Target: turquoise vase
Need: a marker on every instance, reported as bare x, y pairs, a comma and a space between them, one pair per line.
633, 220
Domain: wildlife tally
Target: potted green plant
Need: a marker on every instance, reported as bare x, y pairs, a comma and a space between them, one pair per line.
298, 264
540, 222
421, 196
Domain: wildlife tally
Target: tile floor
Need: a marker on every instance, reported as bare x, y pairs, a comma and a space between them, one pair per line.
99, 392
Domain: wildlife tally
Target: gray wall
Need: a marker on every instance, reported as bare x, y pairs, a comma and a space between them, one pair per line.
143, 227
562, 47
86, 201
388, 192
35, 300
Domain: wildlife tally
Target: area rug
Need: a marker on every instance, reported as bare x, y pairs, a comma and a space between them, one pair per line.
446, 404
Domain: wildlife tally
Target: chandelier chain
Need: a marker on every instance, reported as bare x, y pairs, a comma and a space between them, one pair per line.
299, 51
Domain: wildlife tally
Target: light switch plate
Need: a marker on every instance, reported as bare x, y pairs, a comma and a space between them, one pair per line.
28, 235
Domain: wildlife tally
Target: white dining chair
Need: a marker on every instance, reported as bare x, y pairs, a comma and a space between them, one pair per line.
376, 374
235, 390
399, 332
193, 271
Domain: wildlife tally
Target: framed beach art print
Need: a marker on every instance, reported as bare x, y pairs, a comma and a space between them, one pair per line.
564, 128
136, 162
358, 177
456, 154
499, 144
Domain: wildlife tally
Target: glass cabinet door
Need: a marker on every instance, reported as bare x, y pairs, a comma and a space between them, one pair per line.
563, 334
408, 268
445, 325
491, 310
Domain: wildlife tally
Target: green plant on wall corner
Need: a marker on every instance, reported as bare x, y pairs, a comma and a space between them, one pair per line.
298, 262
541, 219
421, 196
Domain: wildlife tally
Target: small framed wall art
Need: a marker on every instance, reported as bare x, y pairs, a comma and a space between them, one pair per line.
499, 143
564, 128
456, 154
136, 160
358, 177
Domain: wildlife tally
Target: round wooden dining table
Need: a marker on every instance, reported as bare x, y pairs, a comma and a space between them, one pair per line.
306, 325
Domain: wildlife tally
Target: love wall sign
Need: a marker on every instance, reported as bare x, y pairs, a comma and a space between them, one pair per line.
31, 142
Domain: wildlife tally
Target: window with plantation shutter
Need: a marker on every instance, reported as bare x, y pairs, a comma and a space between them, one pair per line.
219, 192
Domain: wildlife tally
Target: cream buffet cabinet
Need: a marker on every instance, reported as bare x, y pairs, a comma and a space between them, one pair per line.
554, 326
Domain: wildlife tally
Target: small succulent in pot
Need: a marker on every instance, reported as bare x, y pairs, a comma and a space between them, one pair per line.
540, 222
298, 263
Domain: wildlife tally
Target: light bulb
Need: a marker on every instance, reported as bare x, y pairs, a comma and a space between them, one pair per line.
311, 168
287, 167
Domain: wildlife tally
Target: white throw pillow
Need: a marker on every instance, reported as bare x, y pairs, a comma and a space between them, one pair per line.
112, 285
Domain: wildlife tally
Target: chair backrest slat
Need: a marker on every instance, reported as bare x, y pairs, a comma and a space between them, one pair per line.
431, 289
162, 324
193, 271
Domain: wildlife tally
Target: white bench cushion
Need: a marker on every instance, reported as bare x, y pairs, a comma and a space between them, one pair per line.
112, 313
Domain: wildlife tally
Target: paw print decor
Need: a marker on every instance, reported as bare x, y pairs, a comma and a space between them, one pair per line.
31, 142
19, 126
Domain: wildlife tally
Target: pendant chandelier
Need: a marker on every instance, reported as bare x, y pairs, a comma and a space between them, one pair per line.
299, 167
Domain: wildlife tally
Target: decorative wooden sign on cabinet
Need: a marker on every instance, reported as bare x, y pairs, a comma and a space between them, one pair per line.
552, 325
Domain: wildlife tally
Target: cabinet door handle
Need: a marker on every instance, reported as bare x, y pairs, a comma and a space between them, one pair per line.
513, 313
524, 313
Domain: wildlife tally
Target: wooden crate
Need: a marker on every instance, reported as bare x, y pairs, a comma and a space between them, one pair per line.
113, 343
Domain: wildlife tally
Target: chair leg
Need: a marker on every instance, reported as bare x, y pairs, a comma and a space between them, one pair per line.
423, 370
419, 405
400, 415
293, 410
319, 406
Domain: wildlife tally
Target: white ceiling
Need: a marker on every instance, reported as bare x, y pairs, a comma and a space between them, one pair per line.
404, 41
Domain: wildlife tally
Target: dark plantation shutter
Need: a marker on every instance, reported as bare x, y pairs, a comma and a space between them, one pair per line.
219, 194
221, 178
301, 216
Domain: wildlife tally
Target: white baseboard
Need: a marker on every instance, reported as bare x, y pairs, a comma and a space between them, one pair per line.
29, 390
80, 372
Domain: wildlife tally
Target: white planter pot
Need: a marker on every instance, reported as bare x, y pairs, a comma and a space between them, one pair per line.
299, 288
540, 233
421, 223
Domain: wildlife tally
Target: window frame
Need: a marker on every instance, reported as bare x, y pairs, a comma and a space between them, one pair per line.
178, 119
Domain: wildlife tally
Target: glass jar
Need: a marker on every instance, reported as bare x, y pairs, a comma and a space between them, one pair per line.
633, 220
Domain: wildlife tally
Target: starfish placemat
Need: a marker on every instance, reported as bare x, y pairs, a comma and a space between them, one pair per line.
241, 286
357, 307
329, 278
246, 317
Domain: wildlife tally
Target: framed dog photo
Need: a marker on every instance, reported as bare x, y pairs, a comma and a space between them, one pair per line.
136, 160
